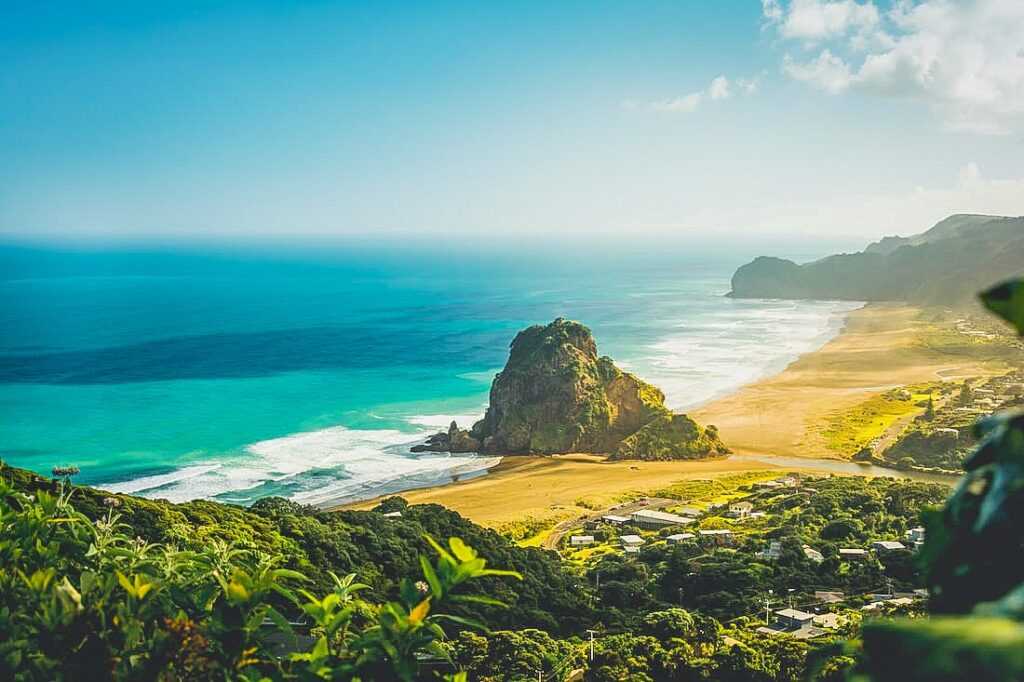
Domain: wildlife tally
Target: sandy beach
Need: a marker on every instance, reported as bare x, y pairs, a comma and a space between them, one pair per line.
880, 347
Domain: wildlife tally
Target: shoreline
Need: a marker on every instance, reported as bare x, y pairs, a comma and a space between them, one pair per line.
880, 346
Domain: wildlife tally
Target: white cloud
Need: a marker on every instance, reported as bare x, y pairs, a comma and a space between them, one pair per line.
828, 72
720, 88
966, 59
685, 104
814, 20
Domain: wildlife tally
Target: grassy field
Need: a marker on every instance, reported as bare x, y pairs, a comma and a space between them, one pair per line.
851, 429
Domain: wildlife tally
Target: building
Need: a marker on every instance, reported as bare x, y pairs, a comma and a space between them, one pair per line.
793, 619
888, 546
615, 520
852, 554
393, 515
740, 509
580, 540
679, 538
720, 538
631, 549
689, 511
772, 552
757, 515
948, 431
915, 536
813, 554
631, 540
649, 518
831, 621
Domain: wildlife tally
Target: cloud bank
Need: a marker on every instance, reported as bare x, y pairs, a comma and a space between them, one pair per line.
965, 59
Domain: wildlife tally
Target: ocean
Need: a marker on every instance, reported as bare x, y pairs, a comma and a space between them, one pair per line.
183, 374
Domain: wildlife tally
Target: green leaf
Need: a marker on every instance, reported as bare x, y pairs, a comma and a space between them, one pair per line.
461, 550
1007, 301
431, 577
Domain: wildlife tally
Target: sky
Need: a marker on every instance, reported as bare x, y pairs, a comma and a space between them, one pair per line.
479, 120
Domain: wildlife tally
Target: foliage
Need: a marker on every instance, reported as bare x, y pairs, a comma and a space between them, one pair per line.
84, 600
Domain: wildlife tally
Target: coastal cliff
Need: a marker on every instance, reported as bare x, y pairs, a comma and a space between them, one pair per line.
945, 265
557, 395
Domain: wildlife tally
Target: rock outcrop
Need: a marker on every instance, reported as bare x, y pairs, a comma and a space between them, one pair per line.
557, 395
453, 440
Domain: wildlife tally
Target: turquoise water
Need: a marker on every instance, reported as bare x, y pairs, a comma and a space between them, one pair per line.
181, 375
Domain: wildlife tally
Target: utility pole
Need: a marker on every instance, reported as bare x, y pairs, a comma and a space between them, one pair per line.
591, 633
767, 607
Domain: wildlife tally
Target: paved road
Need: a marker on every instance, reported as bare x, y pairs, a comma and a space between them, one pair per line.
560, 529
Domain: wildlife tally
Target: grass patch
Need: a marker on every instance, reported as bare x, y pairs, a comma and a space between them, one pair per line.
704, 492
850, 431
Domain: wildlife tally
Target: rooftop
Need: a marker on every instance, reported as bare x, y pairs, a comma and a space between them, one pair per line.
652, 515
631, 540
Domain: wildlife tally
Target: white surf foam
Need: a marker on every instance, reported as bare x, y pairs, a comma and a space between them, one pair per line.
718, 352
314, 467
440, 422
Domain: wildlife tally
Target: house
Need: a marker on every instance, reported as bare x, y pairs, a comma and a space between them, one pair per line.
946, 431
915, 535
679, 538
757, 515
393, 515
720, 538
740, 509
793, 618
631, 540
852, 554
615, 520
772, 552
888, 546
580, 540
813, 554
649, 518
631, 549
831, 621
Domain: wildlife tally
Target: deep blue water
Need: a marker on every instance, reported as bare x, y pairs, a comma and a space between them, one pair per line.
237, 375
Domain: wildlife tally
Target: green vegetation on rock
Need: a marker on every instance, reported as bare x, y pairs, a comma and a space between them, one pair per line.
557, 395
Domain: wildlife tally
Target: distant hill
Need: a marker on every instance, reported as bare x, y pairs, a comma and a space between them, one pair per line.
947, 265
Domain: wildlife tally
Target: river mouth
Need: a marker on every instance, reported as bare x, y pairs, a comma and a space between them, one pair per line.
836, 466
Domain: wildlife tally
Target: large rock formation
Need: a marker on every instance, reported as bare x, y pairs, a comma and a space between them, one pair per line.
557, 395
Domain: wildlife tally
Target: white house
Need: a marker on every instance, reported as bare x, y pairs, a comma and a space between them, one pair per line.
853, 554
631, 540
615, 520
679, 537
793, 618
740, 509
580, 540
887, 546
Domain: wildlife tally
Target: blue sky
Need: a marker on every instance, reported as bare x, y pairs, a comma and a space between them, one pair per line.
204, 120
